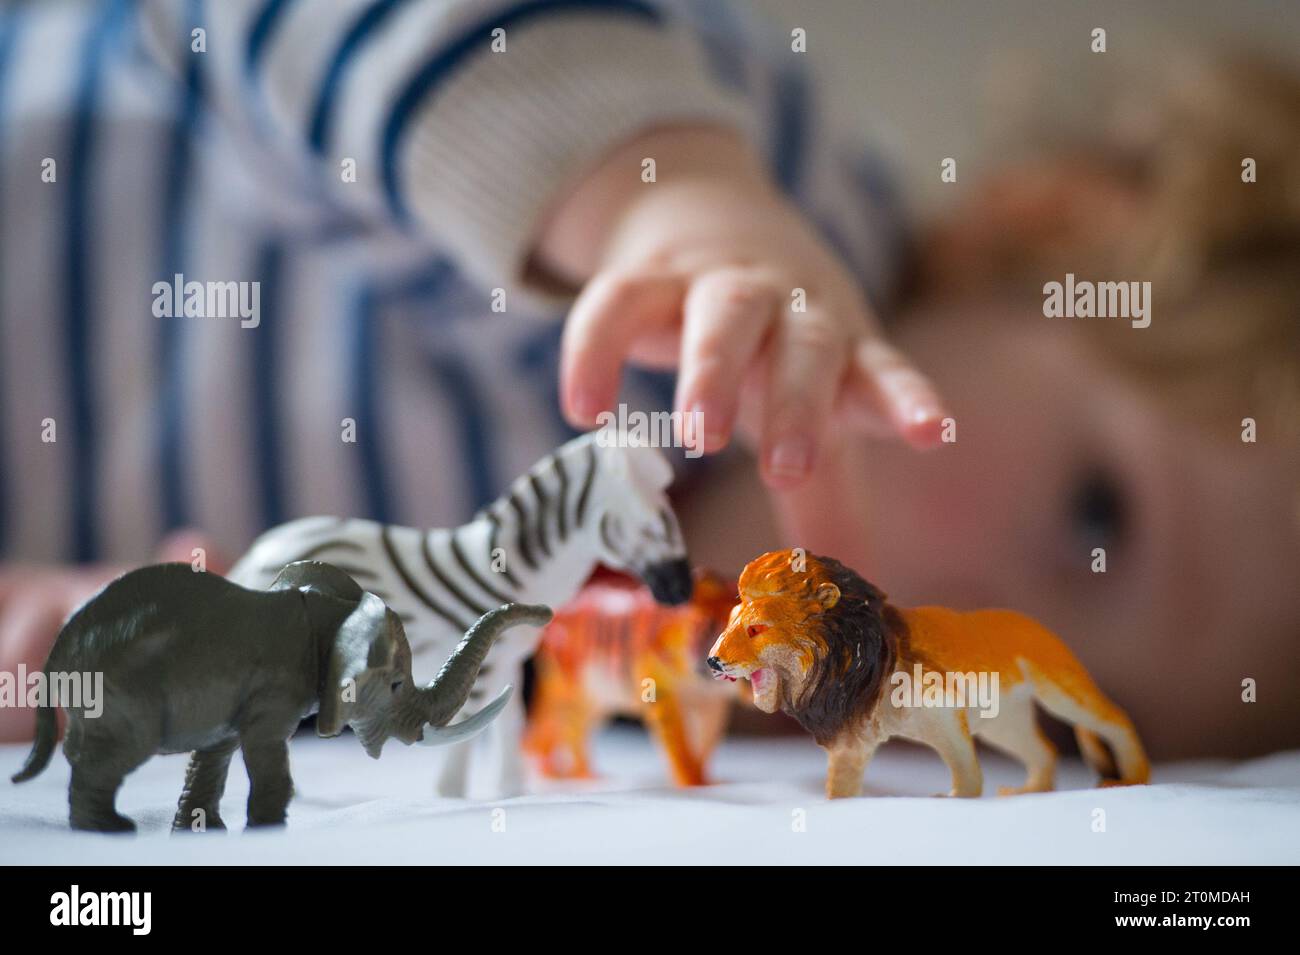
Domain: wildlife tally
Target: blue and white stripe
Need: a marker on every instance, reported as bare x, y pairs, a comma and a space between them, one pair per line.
224, 167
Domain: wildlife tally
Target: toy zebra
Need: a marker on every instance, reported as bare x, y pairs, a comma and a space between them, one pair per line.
592, 501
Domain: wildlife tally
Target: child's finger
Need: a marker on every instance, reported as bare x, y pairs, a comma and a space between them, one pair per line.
807, 367
612, 311
882, 384
725, 318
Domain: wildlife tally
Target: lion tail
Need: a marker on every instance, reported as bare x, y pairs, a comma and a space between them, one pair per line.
1107, 738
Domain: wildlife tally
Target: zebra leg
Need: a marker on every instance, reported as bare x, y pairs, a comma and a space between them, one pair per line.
453, 777
507, 739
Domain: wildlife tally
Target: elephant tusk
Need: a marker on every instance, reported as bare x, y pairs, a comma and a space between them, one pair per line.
456, 732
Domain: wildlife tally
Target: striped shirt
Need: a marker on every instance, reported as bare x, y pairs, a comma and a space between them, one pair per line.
364, 172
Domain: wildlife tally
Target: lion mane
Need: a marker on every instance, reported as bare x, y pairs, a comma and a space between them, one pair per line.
855, 646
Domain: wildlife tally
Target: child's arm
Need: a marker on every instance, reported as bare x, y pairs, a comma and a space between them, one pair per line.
514, 135
462, 119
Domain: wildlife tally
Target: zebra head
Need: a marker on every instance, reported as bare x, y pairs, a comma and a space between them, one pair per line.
635, 525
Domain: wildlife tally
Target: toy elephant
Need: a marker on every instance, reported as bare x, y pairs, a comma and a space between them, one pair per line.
192, 662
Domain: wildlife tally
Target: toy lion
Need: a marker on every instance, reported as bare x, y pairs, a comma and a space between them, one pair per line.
817, 641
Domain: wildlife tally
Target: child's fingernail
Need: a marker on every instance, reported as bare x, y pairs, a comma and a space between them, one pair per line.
923, 426
709, 423
792, 457
920, 414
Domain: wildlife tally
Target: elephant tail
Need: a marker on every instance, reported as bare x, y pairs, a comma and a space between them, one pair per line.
47, 732
47, 722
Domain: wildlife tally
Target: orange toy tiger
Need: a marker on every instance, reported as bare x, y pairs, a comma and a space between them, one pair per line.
817, 641
614, 651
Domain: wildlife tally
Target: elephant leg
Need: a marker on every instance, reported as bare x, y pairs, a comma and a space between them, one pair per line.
507, 737
453, 777
270, 786
100, 761
92, 796
205, 782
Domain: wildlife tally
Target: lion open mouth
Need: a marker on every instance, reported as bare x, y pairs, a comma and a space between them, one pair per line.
767, 689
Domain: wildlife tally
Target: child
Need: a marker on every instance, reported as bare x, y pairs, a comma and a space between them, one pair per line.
1135, 488
1089, 482
268, 258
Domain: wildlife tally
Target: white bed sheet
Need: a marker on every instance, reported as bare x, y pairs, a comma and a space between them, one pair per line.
352, 810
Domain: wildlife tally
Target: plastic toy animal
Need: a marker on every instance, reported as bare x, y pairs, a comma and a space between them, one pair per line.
817, 641
194, 663
592, 501
613, 651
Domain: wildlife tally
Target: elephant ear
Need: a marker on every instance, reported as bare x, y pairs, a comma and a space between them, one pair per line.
322, 578
364, 641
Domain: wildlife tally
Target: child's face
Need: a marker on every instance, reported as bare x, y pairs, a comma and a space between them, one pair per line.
1056, 455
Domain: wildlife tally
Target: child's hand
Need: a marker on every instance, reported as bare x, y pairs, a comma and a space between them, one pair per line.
35, 600
698, 270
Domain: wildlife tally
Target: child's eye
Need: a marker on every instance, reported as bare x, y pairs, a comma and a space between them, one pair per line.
756, 628
1099, 510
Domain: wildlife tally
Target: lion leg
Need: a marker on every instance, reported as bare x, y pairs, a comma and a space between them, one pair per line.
1088, 708
846, 761
949, 734
1015, 732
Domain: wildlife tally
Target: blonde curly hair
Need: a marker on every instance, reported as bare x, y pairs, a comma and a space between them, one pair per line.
1161, 193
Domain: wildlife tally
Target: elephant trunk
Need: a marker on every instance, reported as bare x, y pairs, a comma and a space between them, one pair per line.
443, 698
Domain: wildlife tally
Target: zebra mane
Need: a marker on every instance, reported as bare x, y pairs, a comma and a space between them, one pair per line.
550, 500
574, 461
547, 503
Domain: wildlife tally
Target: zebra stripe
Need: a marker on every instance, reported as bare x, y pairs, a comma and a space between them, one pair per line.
668, 524
506, 572
473, 606
543, 505
471, 573
586, 486
525, 548
311, 552
604, 534
412, 584
563, 511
